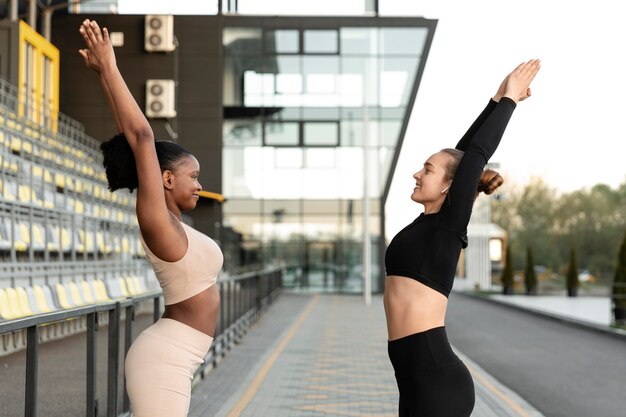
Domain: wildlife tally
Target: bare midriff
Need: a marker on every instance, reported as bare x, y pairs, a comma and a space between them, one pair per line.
200, 311
412, 307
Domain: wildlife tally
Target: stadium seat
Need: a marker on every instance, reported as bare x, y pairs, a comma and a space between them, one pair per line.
14, 303
66, 241
21, 239
9, 190
100, 290
25, 304
5, 237
122, 284
6, 310
40, 299
63, 296
39, 240
76, 294
87, 292
49, 295
113, 288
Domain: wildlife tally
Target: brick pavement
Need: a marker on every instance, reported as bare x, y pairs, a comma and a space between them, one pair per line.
323, 356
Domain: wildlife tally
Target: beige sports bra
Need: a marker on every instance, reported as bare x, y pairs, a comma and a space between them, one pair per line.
195, 272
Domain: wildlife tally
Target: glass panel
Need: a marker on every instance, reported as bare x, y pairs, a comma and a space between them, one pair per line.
389, 132
242, 132
396, 79
358, 75
321, 134
289, 158
321, 158
242, 41
282, 41
320, 74
282, 134
402, 41
359, 41
321, 42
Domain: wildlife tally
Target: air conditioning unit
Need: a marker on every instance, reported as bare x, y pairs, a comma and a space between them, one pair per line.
160, 98
159, 33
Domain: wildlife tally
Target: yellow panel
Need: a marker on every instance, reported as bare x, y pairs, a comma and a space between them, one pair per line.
41, 48
59, 180
40, 299
38, 236
16, 144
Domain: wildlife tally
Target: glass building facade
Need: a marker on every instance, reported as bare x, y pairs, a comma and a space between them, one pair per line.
314, 115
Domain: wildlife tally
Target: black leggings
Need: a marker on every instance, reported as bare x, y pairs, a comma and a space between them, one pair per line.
432, 380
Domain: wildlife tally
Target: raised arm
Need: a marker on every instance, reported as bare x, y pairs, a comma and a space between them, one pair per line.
457, 207
152, 212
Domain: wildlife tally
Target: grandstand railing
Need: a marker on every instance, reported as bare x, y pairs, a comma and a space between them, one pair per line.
243, 300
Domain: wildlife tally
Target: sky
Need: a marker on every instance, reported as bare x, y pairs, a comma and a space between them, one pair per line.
571, 132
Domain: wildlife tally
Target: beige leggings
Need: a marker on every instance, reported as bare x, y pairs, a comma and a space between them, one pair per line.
160, 366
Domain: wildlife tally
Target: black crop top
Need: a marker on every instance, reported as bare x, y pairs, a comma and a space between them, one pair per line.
428, 249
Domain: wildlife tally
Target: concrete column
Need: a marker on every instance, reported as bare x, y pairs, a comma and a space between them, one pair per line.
13, 9
47, 22
32, 14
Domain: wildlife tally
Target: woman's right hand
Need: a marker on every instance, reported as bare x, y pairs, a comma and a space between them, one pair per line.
517, 83
100, 50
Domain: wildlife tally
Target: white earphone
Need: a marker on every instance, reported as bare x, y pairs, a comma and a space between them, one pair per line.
445, 189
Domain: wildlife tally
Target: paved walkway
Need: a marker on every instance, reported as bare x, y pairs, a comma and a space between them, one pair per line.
313, 355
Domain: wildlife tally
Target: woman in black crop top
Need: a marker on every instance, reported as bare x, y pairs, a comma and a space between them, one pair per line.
421, 260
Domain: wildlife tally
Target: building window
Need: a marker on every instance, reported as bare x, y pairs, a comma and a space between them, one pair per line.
321, 133
282, 41
321, 42
282, 134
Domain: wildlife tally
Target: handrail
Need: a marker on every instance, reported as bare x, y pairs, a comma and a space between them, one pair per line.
243, 299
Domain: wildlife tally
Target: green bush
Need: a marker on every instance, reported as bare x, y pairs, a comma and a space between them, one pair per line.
619, 280
571, 281
507, 273
530, 278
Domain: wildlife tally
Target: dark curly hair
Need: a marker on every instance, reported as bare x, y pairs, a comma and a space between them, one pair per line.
119, 160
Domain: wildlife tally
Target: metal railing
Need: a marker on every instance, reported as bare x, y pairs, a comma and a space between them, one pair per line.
243, 300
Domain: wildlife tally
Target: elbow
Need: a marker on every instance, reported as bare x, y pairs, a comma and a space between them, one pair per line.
144, 134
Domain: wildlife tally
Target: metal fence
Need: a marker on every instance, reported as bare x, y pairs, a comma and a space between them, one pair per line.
243, 300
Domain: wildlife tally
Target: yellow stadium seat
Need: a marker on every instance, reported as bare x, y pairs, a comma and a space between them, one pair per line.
100, 291
16, 144
59, 180
97, 191
9, 191
6, 310
40, 297
130, 285
21, 239
47, 177
22, 298
138, 285
14, 303
76, 295
24, 193
39, 240
125, 245
27, 147
87, 293
37, 171
123, 287
62, 294
66, 241
79, 207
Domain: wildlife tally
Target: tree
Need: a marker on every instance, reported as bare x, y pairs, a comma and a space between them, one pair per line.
507, 273
530, 279
571, 280
619, 285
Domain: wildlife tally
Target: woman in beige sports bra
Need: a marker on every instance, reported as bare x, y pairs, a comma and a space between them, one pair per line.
162, 360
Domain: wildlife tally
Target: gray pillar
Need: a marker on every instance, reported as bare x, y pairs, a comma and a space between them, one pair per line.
47, 22
13, 8
32, 14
